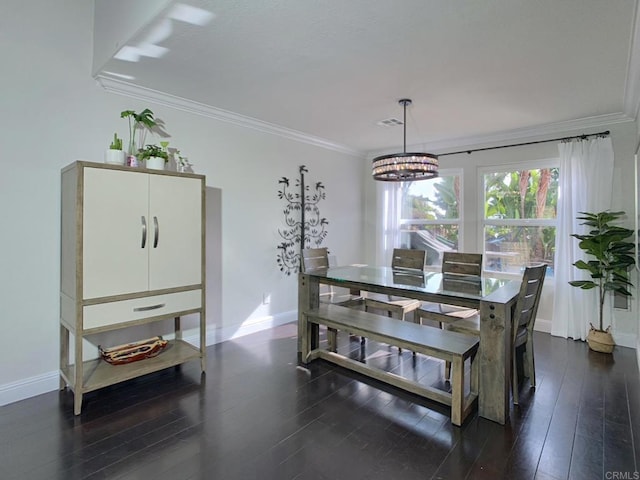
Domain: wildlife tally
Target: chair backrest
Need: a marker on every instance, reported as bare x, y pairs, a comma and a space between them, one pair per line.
406, 258
457, 263
409, 277
462, 283
315, 258
528, 299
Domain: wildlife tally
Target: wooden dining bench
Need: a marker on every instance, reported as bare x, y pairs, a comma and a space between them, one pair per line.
449, 346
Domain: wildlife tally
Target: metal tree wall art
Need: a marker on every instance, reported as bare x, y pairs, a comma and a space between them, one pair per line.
304, 226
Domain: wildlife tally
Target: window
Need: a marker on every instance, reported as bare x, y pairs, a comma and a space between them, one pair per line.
430, 216
519, 221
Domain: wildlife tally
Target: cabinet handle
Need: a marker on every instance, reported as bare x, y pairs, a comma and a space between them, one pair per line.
144, 232
150, 307
156, 236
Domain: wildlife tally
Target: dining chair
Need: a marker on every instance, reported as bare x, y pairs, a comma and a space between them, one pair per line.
522, 325
403, 261
460, 271
314, 258
318, 258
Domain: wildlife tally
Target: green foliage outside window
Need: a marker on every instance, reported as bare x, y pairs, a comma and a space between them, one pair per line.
518, 197
521, 194
520, 210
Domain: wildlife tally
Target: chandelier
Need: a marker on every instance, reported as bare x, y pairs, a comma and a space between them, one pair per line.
405, 167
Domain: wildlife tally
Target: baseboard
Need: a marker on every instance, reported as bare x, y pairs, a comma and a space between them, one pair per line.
542, 325
47, 382
222, 334
29, 387
625, 339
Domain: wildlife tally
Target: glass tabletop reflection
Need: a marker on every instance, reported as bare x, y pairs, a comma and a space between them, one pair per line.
413, 280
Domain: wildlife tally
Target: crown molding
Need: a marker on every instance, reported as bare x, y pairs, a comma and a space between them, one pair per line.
518, 135
440, 146
160, 98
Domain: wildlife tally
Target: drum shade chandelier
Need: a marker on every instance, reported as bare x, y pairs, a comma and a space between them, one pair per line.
405, 167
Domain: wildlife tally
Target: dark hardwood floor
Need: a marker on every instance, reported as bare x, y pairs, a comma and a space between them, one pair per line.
256, 415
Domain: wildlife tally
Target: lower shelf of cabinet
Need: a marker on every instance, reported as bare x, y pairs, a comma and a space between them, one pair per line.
99, 374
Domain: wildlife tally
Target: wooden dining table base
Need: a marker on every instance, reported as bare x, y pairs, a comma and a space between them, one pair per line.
494, 362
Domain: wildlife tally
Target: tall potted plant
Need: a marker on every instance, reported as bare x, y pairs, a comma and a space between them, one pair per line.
611, 257
137, 120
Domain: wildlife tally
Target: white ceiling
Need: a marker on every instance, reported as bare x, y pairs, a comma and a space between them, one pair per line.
331, 70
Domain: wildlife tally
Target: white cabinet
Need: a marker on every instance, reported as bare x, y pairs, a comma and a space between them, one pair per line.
146, 225
132, 252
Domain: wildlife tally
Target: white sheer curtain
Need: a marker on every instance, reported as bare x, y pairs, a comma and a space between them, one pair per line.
388, 234
585, 185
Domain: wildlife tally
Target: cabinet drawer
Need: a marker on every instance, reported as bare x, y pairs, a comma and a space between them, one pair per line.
113, 313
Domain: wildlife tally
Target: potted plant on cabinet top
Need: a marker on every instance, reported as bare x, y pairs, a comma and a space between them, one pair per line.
115, 154
609, 268
154, 156
182, 163
137, 121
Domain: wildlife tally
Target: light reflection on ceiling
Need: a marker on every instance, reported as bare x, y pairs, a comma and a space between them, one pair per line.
150, 46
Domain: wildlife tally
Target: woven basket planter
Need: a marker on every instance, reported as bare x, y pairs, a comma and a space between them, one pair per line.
600, 340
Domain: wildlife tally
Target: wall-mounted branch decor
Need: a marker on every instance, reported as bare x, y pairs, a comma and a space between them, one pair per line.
304, 226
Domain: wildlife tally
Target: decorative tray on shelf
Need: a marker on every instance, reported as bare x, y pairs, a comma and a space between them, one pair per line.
132, 352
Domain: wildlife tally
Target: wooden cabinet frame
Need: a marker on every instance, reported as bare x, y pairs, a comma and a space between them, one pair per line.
141, 307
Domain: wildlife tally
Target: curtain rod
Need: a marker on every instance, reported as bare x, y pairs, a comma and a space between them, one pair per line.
584, 136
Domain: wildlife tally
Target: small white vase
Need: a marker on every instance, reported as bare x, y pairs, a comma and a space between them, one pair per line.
155, 163
114, 157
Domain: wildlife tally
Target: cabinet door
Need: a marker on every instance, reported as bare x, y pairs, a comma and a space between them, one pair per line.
114, 259
175, 216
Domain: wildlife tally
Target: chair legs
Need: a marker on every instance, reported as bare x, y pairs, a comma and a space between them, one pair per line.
390, 313
528, 361
528, 365
514, 377
531, 361
447, 365
401, 318
332, 339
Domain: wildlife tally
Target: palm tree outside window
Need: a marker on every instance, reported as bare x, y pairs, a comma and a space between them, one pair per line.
519, 221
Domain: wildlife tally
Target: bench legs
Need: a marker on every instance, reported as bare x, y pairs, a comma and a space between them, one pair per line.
457, 391
461, 405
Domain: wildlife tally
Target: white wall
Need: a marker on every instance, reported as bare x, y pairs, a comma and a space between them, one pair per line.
53, 112
624, 137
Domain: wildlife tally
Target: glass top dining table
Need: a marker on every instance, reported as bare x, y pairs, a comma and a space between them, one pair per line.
493, 297
413, 281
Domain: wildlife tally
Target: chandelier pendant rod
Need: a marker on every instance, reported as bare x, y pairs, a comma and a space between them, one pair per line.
404, 126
